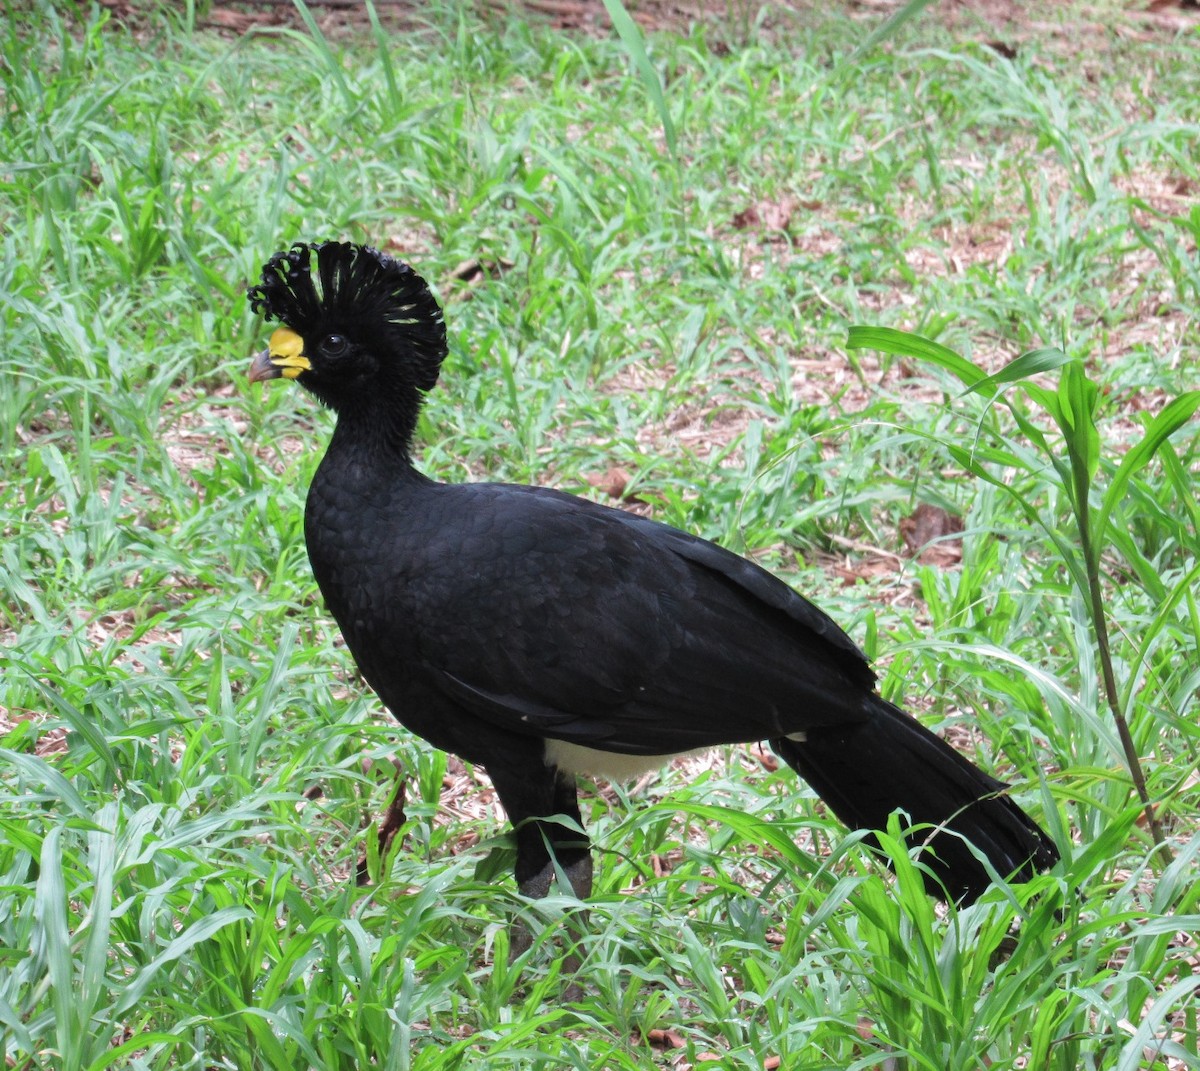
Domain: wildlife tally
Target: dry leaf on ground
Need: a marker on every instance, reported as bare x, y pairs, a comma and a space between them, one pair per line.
927, 533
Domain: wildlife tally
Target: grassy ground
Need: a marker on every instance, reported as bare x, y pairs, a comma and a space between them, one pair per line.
647, 298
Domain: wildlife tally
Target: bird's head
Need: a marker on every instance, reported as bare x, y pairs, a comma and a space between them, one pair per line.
356, 324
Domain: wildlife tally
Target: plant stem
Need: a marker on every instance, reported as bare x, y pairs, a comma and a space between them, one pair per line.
1099, 623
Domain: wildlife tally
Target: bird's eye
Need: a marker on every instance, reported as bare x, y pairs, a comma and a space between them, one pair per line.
335, 345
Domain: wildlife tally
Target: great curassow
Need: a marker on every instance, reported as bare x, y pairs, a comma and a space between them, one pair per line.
540, 635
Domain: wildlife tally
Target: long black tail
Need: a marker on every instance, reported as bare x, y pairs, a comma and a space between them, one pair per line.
891, 762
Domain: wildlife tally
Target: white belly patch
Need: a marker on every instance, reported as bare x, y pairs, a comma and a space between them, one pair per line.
576, 759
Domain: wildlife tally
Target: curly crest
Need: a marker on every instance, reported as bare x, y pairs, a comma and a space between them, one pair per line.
360, 290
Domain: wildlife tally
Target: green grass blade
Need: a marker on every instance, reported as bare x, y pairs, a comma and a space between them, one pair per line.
319, 44
885, 31
635, 45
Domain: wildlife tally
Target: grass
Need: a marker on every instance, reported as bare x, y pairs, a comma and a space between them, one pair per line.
184, 791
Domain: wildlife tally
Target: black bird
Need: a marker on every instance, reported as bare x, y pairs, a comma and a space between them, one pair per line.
540, 635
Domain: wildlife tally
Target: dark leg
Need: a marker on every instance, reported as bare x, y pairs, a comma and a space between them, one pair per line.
530, 797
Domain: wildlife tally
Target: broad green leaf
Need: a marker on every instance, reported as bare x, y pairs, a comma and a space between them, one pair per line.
906, 344
50, 909
1047, 1025
142, 1044
200, 930
1176, 413
499, 859
1077, 396
91, 981
1047, 399
1082, 396
258, 1022
1027, 364
83, 722
50, 784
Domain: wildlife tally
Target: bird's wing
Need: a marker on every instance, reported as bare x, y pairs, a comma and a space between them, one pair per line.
552, 616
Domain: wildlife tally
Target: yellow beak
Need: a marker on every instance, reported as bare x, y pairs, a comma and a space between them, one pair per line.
284, 356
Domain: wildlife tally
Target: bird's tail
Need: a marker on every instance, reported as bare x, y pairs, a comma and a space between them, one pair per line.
890, 762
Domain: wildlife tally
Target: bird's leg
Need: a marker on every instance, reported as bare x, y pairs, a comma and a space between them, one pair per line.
544, 848
531, 795
579, 874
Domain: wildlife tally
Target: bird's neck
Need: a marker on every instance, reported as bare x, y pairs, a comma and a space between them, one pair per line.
379, 429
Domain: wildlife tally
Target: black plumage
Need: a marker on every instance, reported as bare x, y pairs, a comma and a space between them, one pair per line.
538, 634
